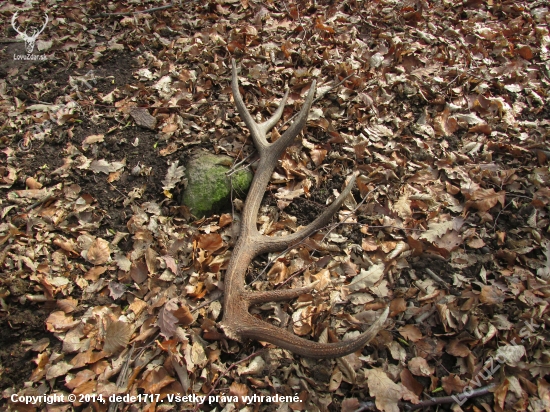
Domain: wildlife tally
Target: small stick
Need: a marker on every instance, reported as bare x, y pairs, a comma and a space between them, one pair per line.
437, 278
451, 399
235, 168
299, 271
122, 376
39, 202
208, 302
371, 406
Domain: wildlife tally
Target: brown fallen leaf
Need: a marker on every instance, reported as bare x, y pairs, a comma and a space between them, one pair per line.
491, 295
210, 242
387, 392
139, 272
32, 183
99, 252
81, 377
278, 273
67, 305
59, 369
143, 118
485, 199
59, 322
117, 336
408, 380
155, 380
457, 348
240, 390
452, 383
411, 333
350, 405
419, 367
41, 361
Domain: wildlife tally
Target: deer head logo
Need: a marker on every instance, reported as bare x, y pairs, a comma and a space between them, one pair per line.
29, 40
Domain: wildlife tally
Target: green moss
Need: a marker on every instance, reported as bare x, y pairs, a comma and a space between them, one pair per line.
209, 189
241, 181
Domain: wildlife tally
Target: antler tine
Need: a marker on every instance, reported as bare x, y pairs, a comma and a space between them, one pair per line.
44, 26
278, 243
296, 127
263, 331
237, 322
258, 131
13, 24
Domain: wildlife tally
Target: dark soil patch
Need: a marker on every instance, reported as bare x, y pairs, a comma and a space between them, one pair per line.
21, 325
307, 210
24, 324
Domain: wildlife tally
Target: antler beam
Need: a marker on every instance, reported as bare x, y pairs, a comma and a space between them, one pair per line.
237, 322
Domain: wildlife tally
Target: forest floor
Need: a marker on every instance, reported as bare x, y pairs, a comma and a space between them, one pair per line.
108, 286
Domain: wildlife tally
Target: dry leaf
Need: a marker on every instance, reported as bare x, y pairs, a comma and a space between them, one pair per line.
386, 392
117, 336
94, 138
367, 278
99, 252
485, 199
174, 175
210, 242
59, 322
408, 380
277, 273
452, 383
32, 183
240, 390
419, 367
166, 320
491, 295
59, 369
456, 348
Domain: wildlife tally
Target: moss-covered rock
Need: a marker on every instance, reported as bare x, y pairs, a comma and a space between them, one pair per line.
208, 188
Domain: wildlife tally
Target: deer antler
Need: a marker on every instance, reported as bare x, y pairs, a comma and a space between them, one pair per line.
35, 33
237, 322
13, 24
29, 40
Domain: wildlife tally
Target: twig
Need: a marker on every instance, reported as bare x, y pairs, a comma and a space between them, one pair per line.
121, 380
225, 373
388, 227
370, 405
39, 202
299, 271
235, 168
128, 13
208, 302
346, 218
450, 399
437, 278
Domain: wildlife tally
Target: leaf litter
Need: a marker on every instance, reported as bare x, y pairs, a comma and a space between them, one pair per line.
442, 108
